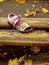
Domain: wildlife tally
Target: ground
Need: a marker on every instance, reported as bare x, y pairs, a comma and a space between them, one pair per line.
11, 7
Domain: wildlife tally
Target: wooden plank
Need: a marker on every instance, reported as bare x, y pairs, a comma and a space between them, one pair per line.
34, 38
14, 37
34, 22
4, 23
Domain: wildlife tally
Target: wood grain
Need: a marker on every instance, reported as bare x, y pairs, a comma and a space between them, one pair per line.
14, 37
34, 22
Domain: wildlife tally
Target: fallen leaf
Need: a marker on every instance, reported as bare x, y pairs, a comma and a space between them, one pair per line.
35, 49
28, 62
28, 13
45, 10
13, 62
35, 12
21, 1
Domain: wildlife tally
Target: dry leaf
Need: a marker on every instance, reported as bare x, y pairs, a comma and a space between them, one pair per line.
28, 62
45, 10
35, 49
35, 12
28, 13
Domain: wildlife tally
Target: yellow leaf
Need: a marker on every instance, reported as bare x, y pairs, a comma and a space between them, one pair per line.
28, 13
21, 1
1, 0
35, 12
45, 10
13, 62
10, 62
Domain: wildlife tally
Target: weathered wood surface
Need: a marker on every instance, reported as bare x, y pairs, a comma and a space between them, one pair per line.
34, 22
14, 37
34, 38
